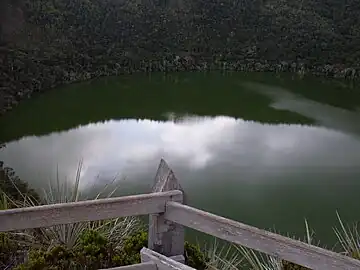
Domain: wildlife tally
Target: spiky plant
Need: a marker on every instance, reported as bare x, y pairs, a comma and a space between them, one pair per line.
68, 235
3, 201
258, 261
309, 238
11, 251
349, 238
222, 257
115, 230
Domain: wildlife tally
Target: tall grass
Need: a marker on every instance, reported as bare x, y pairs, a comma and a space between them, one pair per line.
222, 257
115, 230
234, 257
240, 257
258, 261
225, 257
11, 251
3, 201
349, 238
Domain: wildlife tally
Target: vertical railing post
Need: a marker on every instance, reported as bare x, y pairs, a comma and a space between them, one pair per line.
165, 237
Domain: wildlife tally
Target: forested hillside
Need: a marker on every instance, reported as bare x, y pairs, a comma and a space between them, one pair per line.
45, 43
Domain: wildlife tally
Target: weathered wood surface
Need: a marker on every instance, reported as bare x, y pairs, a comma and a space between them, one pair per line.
165, 237
178, 258
139, 266
270, 243
162, 262
55, 214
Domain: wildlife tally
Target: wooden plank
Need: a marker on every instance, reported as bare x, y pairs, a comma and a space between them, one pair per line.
270, 243
165, 179
139, 266
165, 237
162, 262
178, 258
151, 264
55, 214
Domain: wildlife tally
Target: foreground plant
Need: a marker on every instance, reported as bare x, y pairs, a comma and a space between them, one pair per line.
12, 249
223, 257
15, 189
115, 230
257, 261
3, 201
67, 235
93, 252
246, 258
117, 242
349, 238
96, 251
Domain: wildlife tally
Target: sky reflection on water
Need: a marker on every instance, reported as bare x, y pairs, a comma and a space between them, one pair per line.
132, 148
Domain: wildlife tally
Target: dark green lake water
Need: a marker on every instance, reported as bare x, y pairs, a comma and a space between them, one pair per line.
263, 149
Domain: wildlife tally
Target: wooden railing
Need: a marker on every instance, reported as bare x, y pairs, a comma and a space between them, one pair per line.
168, 216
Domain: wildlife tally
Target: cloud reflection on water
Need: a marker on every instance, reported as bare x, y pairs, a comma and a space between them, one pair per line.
236, 149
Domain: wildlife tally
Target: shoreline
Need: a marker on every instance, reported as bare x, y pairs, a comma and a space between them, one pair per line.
14, 90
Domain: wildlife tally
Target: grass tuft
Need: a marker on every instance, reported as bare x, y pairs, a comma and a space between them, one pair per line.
349, 238
258, 261
116, 231
4, 201
68, 235
246, 258
223, 257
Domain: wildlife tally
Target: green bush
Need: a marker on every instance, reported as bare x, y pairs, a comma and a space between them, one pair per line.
57, 258
8, 249
194, 257
131, 252
95, 251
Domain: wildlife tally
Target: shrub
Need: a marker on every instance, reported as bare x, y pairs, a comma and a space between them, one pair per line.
194, 257
57, 258
95, 251
130, 254
8, 250
115, 230
348, 237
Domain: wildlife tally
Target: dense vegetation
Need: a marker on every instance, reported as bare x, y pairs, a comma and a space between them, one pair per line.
46, 43
95, 251
10, 183
89, 245
111, 243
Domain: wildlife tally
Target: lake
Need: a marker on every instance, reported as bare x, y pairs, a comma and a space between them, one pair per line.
263, 149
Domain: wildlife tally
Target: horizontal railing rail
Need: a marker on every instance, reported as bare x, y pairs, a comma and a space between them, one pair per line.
168, 216
138, 266
92, 210
152, 260
162, 262
264, 241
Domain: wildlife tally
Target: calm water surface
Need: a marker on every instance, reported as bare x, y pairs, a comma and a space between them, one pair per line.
269, 151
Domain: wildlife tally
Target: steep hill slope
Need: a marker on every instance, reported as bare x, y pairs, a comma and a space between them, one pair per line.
46, 43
